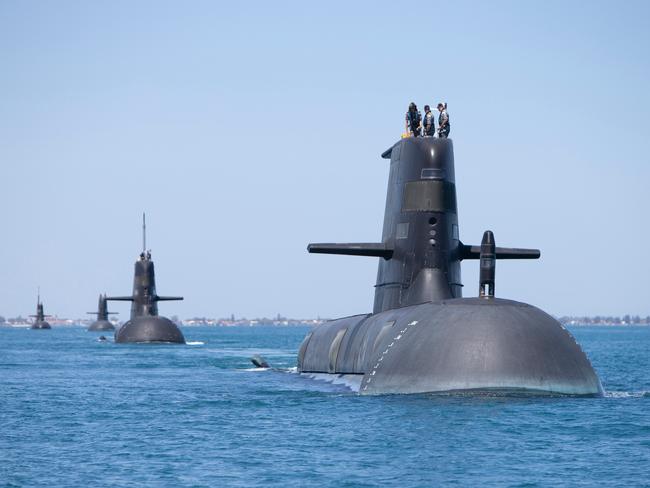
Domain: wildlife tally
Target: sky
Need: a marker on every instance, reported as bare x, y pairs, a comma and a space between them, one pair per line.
246, 130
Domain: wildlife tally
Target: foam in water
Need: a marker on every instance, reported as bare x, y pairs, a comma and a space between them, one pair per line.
352, 381
627, 394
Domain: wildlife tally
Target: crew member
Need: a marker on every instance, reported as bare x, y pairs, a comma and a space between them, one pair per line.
443, 121
413, 120
429, 122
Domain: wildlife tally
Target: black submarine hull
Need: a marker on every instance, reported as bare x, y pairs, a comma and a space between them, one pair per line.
457, 345
101, 325
149, 329
40, 325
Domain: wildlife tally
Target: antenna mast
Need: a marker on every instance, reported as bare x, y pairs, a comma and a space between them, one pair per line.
144, 233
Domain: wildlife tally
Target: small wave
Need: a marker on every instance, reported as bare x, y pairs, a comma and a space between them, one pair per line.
195, 343
255, 369
627, 394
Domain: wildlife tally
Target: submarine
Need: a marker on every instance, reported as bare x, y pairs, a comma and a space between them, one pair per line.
102, 322
40, 322
422, 335
145, 325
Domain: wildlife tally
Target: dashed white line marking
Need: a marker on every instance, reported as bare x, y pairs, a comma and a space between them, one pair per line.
383, 354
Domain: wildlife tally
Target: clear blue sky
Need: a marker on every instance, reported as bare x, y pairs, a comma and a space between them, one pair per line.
246, 130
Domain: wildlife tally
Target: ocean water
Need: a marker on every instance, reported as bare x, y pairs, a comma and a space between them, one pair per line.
78, 413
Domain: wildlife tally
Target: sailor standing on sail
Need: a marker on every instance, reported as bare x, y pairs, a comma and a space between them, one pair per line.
429, 122
413, 120
443, 121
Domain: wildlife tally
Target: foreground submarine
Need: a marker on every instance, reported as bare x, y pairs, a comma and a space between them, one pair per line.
145, 325
40, 322
422, 336
102, 322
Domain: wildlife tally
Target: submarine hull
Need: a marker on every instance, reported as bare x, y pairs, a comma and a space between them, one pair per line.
101, 325
458, 345
149, 329
40, 325
423, 337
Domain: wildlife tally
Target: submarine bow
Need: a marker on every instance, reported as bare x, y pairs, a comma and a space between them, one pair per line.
422, 335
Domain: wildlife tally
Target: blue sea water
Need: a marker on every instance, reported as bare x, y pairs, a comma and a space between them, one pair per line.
78, 413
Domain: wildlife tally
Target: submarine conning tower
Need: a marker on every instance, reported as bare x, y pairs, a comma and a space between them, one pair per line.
145, 300
420, 226
145, 325
422, 336
420, 244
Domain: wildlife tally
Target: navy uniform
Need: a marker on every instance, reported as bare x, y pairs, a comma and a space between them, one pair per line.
443, 121
413, 120
429, 122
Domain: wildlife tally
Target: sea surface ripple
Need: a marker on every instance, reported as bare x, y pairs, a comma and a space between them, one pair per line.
75, 412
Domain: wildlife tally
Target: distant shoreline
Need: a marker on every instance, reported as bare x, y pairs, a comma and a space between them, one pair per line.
70, 323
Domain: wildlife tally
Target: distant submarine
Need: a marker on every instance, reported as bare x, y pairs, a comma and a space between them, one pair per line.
145, 324
40, 322
102, 322
422, 337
